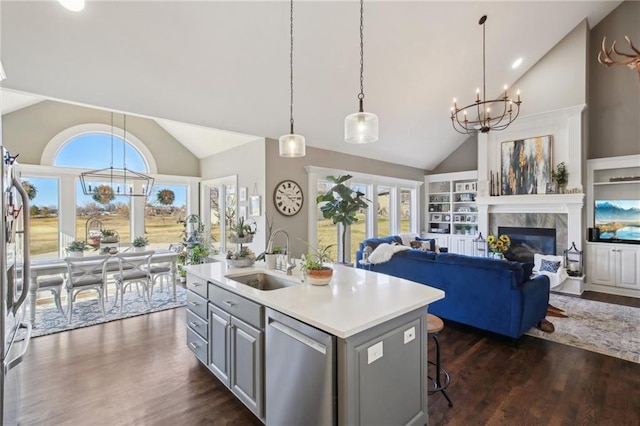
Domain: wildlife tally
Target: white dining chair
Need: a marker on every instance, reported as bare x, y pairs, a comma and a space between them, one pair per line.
84, 274
53, 284
164, 271
133, 269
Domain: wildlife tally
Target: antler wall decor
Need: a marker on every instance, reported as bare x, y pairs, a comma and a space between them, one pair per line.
632, 62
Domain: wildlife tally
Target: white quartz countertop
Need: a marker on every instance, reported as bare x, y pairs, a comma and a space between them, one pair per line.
354, 301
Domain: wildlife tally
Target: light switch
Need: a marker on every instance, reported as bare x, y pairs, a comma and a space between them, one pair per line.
409, 335
374, 352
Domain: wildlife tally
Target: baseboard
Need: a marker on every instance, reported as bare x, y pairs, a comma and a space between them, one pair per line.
620, 291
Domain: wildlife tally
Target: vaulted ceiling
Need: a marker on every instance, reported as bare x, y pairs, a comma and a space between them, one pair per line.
225, 65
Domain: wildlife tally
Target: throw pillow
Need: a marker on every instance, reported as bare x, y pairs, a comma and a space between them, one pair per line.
431, 241
537, 259
549, 266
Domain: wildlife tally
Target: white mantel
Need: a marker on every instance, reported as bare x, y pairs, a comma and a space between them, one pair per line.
566, 129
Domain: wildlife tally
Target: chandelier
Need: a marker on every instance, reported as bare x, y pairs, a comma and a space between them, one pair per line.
106, 184
485, 115
361, 127
291, 145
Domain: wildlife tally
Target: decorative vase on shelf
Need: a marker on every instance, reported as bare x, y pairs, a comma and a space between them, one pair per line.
498, 256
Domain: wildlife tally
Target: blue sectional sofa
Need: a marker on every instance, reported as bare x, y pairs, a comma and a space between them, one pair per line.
488, 294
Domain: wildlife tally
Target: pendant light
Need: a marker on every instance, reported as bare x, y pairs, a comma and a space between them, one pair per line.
361, 127
106, 184
291, 145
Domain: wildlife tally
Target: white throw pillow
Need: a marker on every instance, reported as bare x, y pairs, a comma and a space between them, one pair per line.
407, 238
537, 260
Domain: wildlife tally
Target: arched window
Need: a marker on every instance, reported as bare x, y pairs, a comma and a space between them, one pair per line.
98, 151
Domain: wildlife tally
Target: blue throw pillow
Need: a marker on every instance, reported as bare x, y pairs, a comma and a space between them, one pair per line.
549, 266
431, 241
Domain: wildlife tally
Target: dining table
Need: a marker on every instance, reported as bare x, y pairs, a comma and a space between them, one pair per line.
57, 266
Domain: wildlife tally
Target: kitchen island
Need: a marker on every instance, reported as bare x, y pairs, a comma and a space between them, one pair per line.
351, 352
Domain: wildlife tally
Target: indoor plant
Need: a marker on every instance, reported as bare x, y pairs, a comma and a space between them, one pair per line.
109, 236
313, 265
139, 243
76, 248
242, 231
498, 245
241, 258
340, 204
561, 176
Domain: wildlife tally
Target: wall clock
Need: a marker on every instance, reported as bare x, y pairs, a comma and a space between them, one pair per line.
288, 197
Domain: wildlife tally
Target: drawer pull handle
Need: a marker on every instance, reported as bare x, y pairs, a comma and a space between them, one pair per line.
193, 345
196, 284
194, 303
228, 303
193, 324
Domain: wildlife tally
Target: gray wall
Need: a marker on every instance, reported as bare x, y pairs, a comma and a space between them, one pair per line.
30, 129
248, 163
465, 157
279, 169
614, 92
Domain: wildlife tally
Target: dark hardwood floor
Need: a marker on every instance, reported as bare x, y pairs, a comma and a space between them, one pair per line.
139, 371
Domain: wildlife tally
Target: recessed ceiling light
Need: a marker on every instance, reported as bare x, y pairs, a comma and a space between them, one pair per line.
516, 63
73, 5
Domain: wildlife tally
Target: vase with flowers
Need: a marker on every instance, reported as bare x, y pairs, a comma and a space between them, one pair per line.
498, 245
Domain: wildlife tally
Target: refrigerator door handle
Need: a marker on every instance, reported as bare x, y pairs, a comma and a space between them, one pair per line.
8, 365
26, 268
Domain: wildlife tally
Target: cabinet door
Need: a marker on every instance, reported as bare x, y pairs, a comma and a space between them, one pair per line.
601, 264
628, 267
247, 359
219, 343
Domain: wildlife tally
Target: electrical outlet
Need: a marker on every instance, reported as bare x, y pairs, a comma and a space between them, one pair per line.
409, 335
374, 352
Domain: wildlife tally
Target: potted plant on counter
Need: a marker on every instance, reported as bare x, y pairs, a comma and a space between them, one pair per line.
241, 258
313, 265
76, 248
140, 243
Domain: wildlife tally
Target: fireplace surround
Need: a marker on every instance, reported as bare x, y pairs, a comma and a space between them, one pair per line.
526, 241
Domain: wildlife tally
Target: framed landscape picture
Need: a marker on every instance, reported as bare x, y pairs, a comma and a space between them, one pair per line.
526, 166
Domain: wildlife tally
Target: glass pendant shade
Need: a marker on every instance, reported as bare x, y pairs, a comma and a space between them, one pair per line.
292, 145
73, 5
361, 127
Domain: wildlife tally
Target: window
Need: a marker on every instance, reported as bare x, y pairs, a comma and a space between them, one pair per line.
406, 210
384, 208
165, 208
327, 231
114, 215
43, 210
96, 151
215, 219
397, 202
358, 229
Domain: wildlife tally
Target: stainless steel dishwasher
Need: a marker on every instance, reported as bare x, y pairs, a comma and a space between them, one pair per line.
300, 366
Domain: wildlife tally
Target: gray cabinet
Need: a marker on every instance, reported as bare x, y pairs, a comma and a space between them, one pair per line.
197, 324
219, 336
236, 346
378, 382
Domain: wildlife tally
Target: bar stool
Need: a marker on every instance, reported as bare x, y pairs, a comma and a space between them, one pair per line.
434, 326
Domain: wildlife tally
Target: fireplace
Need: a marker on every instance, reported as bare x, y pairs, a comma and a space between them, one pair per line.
525, 242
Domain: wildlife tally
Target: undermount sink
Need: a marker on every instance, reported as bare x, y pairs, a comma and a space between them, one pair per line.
261, 281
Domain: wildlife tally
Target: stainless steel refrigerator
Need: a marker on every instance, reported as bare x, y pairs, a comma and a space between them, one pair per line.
14, 285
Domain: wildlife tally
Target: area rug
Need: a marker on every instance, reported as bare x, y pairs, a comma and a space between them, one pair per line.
605, 328
87, 312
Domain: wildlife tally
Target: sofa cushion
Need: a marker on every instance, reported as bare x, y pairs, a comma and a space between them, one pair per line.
460, 259
407, 238
431, 241
375, 242
417, 254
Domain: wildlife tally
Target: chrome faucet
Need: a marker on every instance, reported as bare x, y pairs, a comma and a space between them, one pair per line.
289, 265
